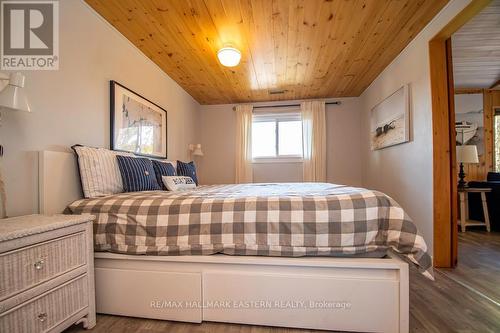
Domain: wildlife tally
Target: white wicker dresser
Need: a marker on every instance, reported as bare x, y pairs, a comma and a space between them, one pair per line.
46, 273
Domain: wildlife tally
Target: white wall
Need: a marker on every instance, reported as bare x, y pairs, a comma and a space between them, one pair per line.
465, 103
405, 171
71, 105
217, 125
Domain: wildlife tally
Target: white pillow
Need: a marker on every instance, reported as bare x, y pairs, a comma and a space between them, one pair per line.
178, 183
99, 171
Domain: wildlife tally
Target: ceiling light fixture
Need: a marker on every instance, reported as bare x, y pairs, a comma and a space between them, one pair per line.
229, 56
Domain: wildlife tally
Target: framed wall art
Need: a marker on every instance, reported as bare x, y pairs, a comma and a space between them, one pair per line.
390, 120
137, 125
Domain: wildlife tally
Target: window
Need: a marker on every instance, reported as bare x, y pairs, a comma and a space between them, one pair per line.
276, 136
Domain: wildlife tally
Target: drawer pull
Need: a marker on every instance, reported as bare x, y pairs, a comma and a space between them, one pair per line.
42, 317
39, 264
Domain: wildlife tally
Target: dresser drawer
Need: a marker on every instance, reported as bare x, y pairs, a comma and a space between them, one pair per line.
29, 266
48, 310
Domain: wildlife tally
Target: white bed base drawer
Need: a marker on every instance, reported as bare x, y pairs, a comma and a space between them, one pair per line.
375, 289
307, 301
149, 294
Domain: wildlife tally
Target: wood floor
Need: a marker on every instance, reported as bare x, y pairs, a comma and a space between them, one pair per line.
479, 262
465, 299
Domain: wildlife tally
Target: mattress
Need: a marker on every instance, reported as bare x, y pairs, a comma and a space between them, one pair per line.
285, 219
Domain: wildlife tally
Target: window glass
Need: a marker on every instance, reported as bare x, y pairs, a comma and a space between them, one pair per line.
290, 138
276, 135
264, 139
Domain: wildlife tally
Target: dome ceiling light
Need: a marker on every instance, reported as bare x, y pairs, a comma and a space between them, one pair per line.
229, 56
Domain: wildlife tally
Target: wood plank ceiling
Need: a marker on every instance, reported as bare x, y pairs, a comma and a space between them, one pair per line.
310, 48
476, 50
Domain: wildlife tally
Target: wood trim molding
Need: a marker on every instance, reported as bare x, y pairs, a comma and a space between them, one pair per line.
463, 91
488, 106
441, 155
463, 17
495, 85
491, 101
452, 137
444, 168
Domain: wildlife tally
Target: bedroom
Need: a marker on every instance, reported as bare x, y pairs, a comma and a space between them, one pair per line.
165, 54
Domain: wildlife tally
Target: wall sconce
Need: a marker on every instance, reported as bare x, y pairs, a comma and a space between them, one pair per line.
195, 149
13, 96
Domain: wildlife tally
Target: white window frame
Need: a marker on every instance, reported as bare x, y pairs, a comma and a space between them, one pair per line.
278, 117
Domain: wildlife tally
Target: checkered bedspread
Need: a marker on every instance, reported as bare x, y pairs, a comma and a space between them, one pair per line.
288, 219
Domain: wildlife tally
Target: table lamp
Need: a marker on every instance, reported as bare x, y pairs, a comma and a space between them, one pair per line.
465, 154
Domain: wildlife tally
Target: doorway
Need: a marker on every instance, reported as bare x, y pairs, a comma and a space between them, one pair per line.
445, 171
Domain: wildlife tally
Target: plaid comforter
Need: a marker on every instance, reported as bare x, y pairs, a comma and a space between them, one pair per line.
288, 219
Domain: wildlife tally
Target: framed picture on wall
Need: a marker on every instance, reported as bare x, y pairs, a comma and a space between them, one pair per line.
137, 125
390, 120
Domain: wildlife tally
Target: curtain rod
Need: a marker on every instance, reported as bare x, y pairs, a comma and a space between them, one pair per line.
286, 105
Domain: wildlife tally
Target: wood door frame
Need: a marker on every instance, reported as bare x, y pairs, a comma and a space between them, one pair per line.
443, 129
491, 101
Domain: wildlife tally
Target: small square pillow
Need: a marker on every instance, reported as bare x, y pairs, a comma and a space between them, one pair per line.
138, 174
163, 169
187, 169
178, 183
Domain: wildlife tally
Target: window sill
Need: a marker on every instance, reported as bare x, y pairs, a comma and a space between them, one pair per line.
277, 160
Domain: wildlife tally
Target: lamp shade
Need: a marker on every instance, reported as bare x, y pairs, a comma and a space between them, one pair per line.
197, 151
229, 56
13, 96
467, 154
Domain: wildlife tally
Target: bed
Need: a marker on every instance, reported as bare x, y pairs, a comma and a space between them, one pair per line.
297, 255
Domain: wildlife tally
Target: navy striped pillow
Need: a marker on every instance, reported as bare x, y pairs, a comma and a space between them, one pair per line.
187, 169
138, 174
163, 169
